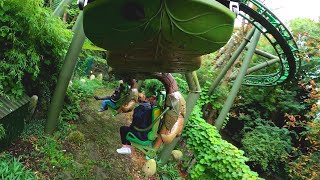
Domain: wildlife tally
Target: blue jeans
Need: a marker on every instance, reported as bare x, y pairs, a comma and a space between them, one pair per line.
107, 103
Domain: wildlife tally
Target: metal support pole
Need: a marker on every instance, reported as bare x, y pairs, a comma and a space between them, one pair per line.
237, 84
265, 54
59, 11
231, 61
192, 98
258, 67
262, 65
65, 76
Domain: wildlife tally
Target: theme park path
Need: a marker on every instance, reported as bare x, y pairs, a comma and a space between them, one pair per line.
102, 138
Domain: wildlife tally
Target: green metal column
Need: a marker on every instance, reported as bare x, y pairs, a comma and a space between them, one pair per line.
265, 54
231, 61
237, 84
258, 67
192, 98
65, 75
194, 94
59, 11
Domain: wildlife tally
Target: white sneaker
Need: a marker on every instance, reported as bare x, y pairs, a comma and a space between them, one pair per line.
124, 150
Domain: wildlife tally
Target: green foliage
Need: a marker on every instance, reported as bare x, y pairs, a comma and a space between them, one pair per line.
206, 71
92, 59
11, 168
33, 43
151, 86
216, 158
77, 91
34, 128
305, 167
72, 13
265, 102
50, 148
267, 146
307, 33
2, 132
305, 25
92, 64
182, 84
169, 171
52, 154
75, 137
216, 99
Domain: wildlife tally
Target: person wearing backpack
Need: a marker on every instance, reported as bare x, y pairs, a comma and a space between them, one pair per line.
141, 118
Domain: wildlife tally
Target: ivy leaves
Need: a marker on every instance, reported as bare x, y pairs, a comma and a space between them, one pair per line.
216, 158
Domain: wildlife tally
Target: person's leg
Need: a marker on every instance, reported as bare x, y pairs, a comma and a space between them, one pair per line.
124, 130
126, 145
104, 105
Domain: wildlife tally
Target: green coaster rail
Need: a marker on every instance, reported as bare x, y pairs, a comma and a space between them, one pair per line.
278, 36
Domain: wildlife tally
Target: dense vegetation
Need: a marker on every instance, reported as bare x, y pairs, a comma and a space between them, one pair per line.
273, 130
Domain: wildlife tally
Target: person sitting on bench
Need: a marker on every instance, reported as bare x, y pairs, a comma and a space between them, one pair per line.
111, 100
141, 119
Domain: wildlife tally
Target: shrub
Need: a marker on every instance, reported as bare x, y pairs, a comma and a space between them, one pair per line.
33, 44
267, 146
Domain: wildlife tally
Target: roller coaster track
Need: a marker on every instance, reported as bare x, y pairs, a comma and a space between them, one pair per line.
278, 36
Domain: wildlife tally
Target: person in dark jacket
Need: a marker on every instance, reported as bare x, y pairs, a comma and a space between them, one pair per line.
141, 119
111, 100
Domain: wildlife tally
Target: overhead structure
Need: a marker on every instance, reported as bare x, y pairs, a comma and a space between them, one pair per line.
142, 33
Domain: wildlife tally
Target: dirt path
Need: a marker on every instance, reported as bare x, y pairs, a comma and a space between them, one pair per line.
102, 138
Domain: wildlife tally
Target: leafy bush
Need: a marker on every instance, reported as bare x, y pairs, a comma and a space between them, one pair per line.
33, 43
150, 86
267, 146
216, 158
11, 168
2, 132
